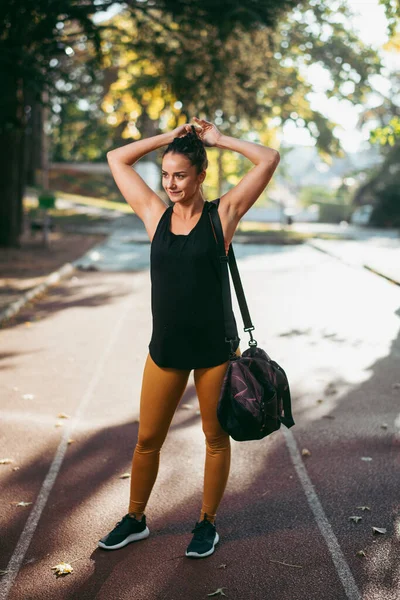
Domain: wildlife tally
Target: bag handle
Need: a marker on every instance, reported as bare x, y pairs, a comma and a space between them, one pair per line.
226, 292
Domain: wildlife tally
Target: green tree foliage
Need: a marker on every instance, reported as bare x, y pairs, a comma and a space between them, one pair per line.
37, 37
159, 72
382, 187
254, 81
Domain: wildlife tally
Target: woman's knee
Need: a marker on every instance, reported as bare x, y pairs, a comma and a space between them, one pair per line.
148, 443
217, 442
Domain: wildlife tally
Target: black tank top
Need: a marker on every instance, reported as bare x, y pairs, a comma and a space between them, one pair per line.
186, 297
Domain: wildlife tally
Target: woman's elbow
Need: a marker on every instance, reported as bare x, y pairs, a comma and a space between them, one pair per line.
276, 157
110, 154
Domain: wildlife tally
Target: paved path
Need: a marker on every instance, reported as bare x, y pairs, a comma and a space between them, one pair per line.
284, 520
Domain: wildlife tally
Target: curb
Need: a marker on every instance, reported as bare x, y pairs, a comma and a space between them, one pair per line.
350, 264
13, 308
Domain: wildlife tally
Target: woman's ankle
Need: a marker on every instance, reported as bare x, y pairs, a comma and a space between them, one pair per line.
204, 515
137, 516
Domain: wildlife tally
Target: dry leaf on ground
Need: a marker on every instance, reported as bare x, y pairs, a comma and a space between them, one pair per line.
124, 475
223, 566
305, 452
366, 458
360, 553
6, 461
22, 503
63, 568
63, 416
217, 592
355, 518
379, 530
363, 507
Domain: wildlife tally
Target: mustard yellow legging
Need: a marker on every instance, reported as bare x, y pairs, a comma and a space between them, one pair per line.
162, 389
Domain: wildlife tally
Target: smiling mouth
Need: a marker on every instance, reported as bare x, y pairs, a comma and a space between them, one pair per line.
175, 192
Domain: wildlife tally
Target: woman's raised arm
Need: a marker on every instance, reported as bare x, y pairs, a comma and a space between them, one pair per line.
237, 201
240, 198
141, 198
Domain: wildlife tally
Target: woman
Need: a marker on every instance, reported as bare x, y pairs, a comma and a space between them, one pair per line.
188, 322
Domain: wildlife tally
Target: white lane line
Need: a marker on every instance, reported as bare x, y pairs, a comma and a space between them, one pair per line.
25, 538
342, 568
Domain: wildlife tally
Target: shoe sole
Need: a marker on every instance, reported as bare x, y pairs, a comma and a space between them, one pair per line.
134, 537
196, 555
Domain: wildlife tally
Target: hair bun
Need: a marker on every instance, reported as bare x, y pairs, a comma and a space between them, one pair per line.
191, 146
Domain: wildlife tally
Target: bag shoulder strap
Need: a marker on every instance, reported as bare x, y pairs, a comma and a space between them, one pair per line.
231, 260
287, 418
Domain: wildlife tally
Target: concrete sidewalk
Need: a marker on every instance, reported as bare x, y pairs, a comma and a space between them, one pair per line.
127, 248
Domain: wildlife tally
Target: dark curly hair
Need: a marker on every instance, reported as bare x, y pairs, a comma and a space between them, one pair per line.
191, 146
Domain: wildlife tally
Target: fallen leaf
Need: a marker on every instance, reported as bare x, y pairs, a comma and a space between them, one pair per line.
355, 518
63, 568
5, 461
22, 503
284, 563
3, 572
217, 592
124, 475
305, 452
366, 458
16, 468
70, 441
58, 424
187, 406
360, 553
384, 425
379, 530
28, 396
363, 507
223, 566
62, 416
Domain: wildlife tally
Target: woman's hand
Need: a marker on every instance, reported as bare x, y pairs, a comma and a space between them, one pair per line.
209, 134
206, 131
181, 130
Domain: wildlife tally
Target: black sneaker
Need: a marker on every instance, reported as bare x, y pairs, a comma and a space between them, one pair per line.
125, 531
204, 540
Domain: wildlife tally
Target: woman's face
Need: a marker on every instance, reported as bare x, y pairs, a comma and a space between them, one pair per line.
179, 177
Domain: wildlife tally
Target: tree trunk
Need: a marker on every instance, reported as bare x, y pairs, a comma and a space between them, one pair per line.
11, 188
12, 172
33, 142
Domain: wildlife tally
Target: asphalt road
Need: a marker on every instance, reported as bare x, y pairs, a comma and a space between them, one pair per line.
284, 521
